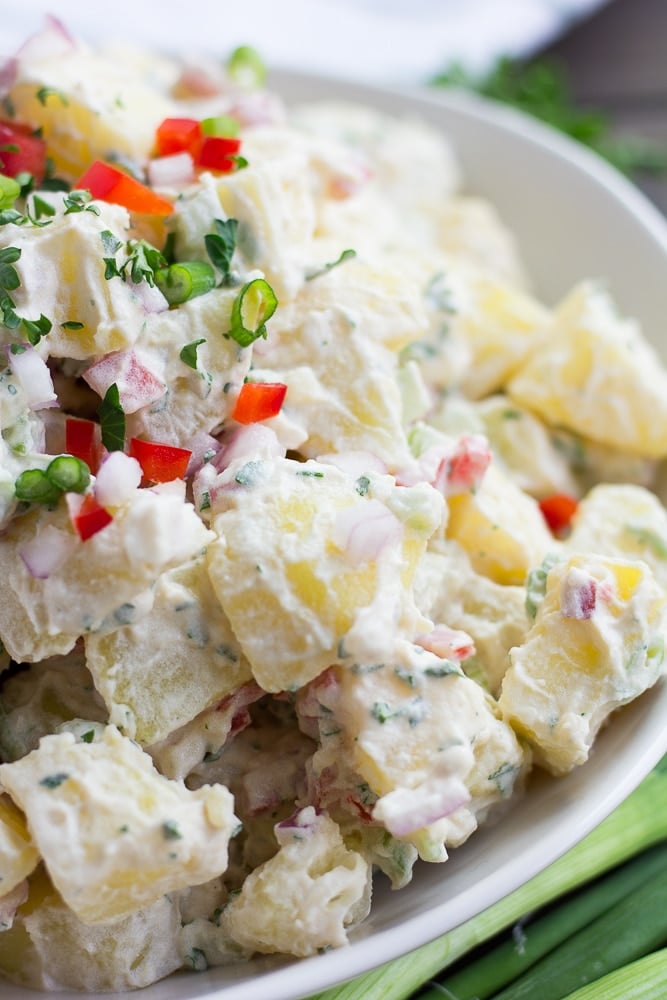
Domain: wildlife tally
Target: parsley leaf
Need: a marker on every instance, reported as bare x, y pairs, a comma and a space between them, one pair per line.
112, 420
44, 93
542, 89
79, 201
221, 244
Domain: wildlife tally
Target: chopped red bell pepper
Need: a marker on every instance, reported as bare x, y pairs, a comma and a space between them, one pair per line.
208, 151
558, 510
90, 518
83, 439
21, 151
217, 152
107, 183
160, 463
258, 401
178, 135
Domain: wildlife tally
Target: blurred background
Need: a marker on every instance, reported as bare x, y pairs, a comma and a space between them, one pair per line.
594, 68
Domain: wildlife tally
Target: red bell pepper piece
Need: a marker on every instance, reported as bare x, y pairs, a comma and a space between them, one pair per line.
558, 510
107, 183
178, 135
83, 439
21, 151
90, 518
258, 401
160, 463
217, 152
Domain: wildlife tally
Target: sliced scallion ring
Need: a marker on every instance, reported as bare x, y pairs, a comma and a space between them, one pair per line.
253, 307
185, 280
34, 486
68, 474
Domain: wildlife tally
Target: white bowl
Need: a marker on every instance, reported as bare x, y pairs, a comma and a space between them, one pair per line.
574, 217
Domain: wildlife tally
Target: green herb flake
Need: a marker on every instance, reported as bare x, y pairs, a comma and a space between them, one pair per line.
80, 201
88, 736
54, 780
345, 255
221, 244
197, 960
112, 420
170, 830
44, 93
72, 324
362, 485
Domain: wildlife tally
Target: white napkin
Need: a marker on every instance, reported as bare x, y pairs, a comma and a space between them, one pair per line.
377, 41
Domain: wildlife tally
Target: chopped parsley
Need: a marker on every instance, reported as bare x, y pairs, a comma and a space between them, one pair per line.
33, 330
345, 255
140, 264
44, 93
112, 420
79, 201
170, 830
54, 780
221, 244
188, 353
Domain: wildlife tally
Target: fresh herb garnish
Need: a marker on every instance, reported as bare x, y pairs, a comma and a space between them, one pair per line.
79, 201
112, 420
345, 255
54, 780
221, 244
170, 830
188, 353
44, 93
141, 263
9, 280
541, 89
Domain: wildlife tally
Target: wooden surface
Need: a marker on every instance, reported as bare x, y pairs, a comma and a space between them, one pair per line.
616, 61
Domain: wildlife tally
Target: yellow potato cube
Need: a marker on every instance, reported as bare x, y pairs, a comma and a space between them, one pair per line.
302, 899
49, 948
428, 742
500, 527
182, 657
114, 834
88, 107
302, 550
598, 641
598, 376
18, 855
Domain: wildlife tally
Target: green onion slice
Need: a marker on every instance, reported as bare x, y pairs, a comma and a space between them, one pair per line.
220, 125
246, 67
253, 307
34, 486
186, 280
68, 474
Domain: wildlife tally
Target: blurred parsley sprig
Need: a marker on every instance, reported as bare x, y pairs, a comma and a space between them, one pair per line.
541, 89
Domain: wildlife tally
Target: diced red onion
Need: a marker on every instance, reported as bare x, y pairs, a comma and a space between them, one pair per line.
249, 441
47, 550
413, 809
303, 822
258, 107
52, 40
118, 477
151, 298
204, 448
447, 643
174, 170
364, 530
138, 385
8, 71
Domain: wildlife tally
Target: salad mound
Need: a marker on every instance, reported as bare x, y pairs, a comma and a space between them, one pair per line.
319, 530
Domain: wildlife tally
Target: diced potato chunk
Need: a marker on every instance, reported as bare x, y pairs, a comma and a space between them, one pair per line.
18, 854
179, 659
597, 375
301, 899
302, 550
116, 835
500, 527
598, 642
49, 948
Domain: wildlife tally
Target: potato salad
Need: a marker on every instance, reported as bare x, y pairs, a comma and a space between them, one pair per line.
319, 530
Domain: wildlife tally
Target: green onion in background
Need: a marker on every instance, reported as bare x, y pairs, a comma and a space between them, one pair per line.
639, 823
185, 280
